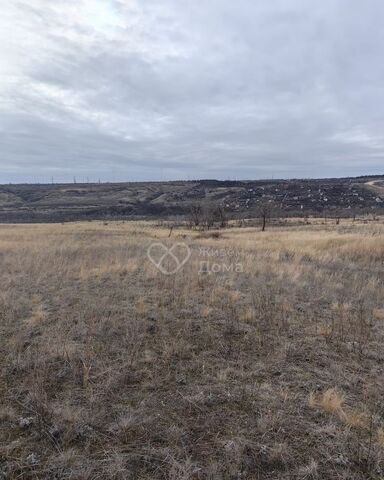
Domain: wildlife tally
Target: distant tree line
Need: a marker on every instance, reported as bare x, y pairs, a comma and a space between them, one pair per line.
206, 216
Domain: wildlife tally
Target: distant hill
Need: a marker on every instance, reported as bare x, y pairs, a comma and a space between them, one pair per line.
68, 202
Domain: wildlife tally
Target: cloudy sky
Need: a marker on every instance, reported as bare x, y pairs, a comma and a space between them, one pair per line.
184, 89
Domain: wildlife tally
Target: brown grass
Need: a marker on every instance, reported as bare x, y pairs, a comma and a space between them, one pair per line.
112, 370
331, 401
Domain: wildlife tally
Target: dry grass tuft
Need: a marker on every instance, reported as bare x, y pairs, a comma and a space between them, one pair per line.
331, 401
354, 419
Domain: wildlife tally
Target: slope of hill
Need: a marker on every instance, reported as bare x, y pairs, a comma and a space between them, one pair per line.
66, 202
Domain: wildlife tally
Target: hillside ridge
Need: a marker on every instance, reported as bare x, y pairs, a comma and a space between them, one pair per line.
26, 203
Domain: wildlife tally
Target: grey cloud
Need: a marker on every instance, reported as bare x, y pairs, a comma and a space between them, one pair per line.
180, 89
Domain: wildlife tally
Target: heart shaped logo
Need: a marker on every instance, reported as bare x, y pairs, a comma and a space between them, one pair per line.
169, 260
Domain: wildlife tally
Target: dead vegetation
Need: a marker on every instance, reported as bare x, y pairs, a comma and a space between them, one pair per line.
112, 370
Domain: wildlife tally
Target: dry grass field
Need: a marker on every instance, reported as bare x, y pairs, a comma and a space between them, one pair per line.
264, 363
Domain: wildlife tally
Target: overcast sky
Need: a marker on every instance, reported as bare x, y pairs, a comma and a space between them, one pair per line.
184, 89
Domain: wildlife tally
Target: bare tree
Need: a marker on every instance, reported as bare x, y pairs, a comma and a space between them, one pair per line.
195, 215
338, 214
325, 213
209, 216
221, 216
264, 211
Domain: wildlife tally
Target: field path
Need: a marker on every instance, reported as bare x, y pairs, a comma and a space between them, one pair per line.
377, 186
